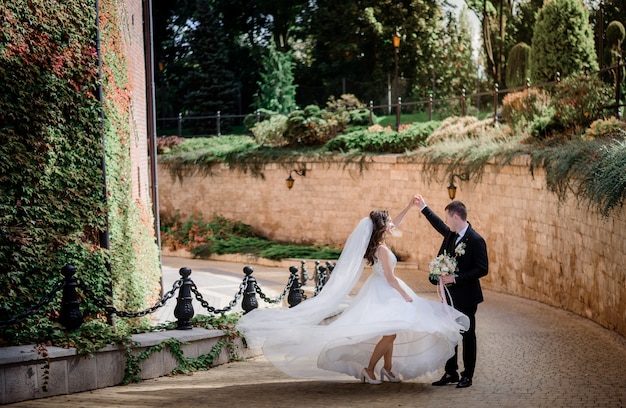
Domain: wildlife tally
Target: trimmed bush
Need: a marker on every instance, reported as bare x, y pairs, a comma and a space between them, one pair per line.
580, 100
520, 108
518, 65
270, 131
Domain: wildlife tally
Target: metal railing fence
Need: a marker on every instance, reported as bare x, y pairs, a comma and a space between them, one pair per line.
460, 102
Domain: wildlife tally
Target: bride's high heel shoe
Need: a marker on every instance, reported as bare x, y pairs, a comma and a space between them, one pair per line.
392, 378
365, 376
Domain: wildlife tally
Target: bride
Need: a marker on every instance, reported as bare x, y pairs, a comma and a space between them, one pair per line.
385, 321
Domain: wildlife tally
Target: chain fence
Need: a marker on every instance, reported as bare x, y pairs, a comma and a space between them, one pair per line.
71, 316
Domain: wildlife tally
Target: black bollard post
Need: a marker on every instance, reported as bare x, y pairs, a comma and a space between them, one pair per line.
249, 301
70, 317
321, 273
305, 272
295, 292
317, 273
184, 309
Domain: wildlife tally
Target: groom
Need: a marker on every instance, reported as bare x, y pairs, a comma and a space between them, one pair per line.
465, 288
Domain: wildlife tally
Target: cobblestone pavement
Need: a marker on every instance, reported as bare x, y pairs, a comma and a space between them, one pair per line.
529, 355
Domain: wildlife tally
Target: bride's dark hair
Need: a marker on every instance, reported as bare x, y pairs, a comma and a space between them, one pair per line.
379, 218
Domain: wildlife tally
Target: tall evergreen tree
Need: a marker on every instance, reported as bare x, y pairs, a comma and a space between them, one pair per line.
518, 65
276, 89
562, 41
210, 84
455, 69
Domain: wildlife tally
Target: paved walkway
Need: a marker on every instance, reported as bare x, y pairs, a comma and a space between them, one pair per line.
530, 355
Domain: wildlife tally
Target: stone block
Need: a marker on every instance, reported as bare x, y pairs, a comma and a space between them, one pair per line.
110, 368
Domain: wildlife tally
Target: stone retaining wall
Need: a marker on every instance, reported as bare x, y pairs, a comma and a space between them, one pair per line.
561, 254
23, 374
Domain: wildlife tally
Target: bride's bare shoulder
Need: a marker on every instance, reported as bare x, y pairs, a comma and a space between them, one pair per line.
383, 250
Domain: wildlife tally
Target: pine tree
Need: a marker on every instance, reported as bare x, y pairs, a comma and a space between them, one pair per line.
562, 41
277, 92
210, 84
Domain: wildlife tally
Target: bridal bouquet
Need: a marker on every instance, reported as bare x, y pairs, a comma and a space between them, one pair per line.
445, 264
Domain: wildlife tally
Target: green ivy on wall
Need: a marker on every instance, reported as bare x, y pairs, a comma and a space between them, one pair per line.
51, 202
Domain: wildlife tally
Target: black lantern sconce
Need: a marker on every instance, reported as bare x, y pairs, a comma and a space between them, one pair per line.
289, 181
452, 187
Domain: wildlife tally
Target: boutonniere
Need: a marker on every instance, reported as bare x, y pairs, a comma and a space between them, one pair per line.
460, 249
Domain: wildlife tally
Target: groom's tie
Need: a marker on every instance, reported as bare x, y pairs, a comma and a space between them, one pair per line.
451, 243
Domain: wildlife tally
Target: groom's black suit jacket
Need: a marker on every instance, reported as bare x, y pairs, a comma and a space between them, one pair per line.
473, 265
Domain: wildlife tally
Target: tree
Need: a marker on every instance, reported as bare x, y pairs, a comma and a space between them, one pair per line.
276, 89
209, 83
523, 22
352, 40
614, 38
455, 69
518, 65
562, 41
494, 16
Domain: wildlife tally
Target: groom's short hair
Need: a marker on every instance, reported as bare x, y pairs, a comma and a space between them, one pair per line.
458, 208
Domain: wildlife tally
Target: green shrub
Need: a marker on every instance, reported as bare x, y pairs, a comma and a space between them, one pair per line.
346, 102
520, 108
260, 115
615, 34
611, 128
314, 126
579, 100
361, 117
223, 236
358, 114
543, 125
270, 131
377, 139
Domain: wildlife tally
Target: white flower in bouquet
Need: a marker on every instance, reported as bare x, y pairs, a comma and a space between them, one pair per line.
443, 264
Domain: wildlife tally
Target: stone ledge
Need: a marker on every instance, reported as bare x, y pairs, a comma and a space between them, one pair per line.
22, 368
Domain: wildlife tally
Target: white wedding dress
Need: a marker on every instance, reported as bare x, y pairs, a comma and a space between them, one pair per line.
302, 342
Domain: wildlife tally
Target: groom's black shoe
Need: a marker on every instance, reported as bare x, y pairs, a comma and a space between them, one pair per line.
447, 379
464, 383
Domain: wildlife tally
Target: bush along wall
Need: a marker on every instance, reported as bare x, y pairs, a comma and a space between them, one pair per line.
51, 183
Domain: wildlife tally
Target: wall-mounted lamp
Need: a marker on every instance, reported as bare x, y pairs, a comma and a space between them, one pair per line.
289, 181
452, 187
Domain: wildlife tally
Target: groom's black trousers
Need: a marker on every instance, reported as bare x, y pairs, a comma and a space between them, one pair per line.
469, 346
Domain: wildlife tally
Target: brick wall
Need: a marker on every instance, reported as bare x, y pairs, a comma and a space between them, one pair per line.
131, 16
561, 254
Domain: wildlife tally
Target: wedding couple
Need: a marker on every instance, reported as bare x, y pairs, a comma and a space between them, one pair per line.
331, 335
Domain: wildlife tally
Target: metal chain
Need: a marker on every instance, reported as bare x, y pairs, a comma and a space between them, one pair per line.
281, 297
211, 309
168, 295
35, 309
112, 309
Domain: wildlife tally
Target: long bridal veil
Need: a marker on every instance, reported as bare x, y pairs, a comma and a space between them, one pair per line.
261, 325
